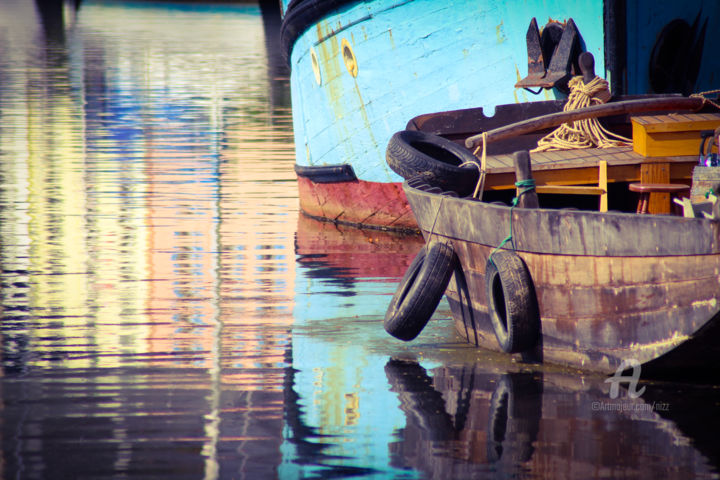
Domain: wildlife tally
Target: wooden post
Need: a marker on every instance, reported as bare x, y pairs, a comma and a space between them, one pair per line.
523, 171
603, 183
653, 171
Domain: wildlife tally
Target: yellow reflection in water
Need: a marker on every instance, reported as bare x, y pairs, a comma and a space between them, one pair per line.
148, 199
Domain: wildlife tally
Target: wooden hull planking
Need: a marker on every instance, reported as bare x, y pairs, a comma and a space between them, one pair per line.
610, 286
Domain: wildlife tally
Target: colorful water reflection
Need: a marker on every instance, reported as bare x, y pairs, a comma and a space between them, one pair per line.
167, 313
147, 243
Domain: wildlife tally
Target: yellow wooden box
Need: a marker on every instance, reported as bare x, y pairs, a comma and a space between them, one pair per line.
671, 135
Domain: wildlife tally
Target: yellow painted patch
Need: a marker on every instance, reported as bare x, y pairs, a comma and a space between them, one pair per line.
500, 34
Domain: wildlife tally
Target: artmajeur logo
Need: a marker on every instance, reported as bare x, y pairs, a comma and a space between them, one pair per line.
631, 380
633, 392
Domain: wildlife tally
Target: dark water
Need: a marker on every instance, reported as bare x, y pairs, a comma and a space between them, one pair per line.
167, 313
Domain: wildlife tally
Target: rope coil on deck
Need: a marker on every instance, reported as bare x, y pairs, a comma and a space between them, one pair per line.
586, 133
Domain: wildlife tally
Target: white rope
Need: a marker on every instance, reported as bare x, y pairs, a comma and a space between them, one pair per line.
585, 133
480, 186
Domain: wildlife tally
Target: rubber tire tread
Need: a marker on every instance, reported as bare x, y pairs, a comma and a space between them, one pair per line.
420, 291
521, 328
407, 161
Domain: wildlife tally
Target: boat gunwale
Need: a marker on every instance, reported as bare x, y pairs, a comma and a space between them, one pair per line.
540, 230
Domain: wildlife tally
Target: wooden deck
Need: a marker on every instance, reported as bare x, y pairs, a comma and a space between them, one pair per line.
580, 167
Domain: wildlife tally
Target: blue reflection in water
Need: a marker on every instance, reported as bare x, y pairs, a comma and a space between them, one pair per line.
346, 416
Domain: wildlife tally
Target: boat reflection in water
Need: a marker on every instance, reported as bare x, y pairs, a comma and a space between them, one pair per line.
350, 253
445, 409
472, 420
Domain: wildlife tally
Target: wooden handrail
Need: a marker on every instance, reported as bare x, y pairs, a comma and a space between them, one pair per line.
603, 110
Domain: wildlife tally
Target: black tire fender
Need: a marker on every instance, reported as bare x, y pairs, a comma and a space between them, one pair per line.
512, 303
410, 152
420, 291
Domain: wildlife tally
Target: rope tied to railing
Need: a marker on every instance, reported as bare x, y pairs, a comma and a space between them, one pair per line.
480, 185
705, 99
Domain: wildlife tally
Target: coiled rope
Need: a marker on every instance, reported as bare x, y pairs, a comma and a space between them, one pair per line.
586, 133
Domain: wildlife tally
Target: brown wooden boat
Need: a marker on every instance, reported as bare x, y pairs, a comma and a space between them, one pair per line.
559, 280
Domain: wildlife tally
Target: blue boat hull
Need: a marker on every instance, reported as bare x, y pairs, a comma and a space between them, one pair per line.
361, 70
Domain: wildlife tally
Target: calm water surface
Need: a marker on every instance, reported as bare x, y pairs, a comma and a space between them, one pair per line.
167, 313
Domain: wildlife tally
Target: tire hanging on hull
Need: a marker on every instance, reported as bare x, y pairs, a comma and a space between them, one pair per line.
420, 291
512, 303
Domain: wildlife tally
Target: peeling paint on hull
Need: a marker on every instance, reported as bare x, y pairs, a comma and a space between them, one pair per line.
358, 203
